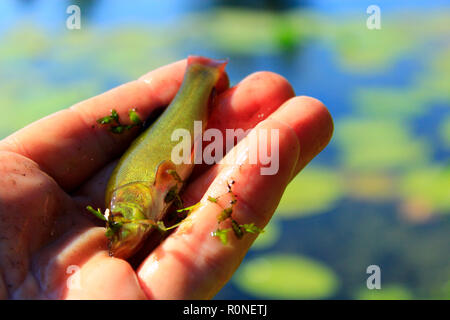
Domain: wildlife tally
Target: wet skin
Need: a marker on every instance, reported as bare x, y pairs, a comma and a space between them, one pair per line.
56, 166
140, 184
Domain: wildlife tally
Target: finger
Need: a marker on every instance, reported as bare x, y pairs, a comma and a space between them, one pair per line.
197, 264
70, 146
243, 106
78, 266
30, 203
310, 120
251, 101
105, 278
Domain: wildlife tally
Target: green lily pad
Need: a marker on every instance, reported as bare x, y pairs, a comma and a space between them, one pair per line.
388, 292
428, 87
443, 291
370, 186
445, 132
401, 103
241, 31
435, 82
314, 190
24, 41
269, 237
42, 100
142, 48
431, 185
361, 50
285, 276
374, 145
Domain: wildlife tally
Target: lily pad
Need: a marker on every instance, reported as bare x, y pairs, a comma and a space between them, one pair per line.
285, 276
269, 237
431, 185
24, 108
241, 31
379, 145
443, 291
24, 41
436, 80
361, 50
371, 186
388, 292
401, 103
314, 190
445, 132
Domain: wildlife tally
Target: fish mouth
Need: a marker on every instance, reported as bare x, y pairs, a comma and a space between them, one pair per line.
127, 239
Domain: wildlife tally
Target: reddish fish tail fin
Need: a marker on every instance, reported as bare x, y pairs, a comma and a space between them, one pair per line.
218, 65
212, 67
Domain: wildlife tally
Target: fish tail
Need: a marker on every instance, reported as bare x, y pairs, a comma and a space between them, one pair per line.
217, 64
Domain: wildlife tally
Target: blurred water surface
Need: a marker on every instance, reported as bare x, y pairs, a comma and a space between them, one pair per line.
380, 192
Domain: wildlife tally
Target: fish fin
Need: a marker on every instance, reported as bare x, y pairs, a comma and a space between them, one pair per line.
165, 174
213, 63
167, 181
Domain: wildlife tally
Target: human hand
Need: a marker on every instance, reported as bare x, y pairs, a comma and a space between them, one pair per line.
56, 166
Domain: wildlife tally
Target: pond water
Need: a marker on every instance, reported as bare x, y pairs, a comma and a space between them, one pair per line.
380, 192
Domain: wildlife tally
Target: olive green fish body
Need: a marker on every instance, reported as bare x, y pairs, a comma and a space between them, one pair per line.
142, 185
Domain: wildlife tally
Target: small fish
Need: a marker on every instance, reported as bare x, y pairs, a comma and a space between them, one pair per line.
145, 181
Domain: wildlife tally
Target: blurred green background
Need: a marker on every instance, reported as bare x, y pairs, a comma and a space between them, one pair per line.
379, 194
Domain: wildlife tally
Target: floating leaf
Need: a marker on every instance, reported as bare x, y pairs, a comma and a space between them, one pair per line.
284, 276
431, 185
390, 102
374, 145
361, 50
387, 292
314, 190
371, 186
269, 237
445, 132
241, 31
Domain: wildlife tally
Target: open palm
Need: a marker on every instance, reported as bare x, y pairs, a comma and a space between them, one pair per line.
50, 247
